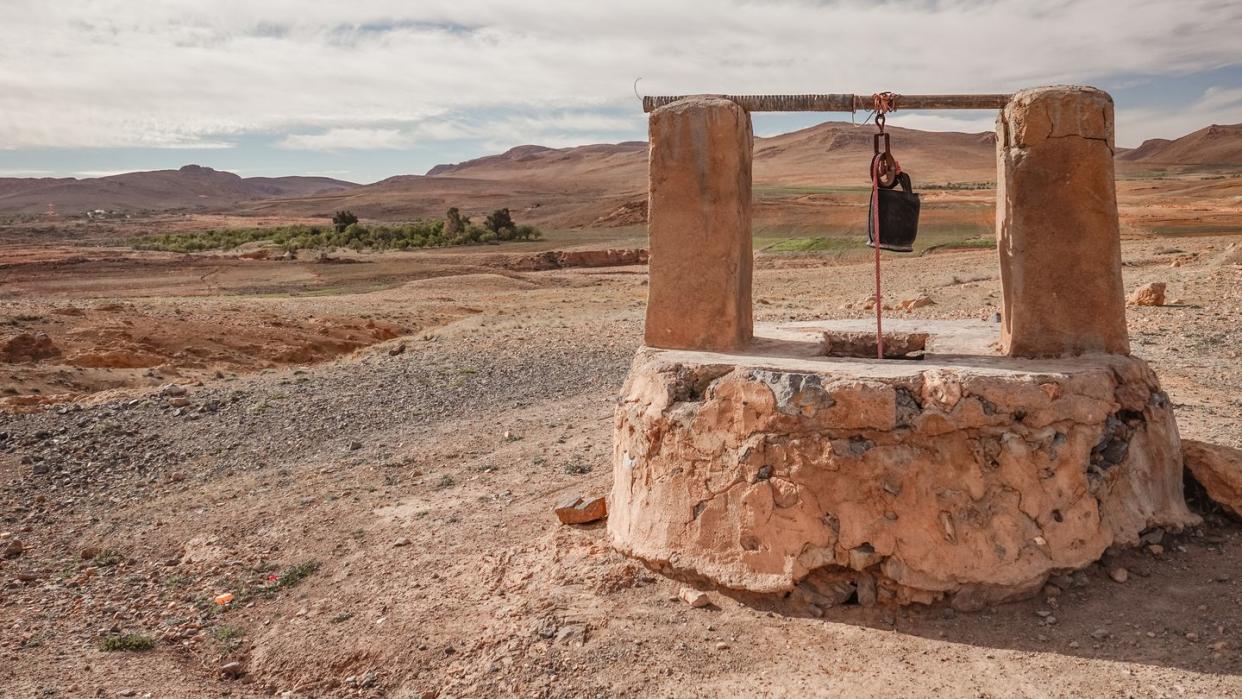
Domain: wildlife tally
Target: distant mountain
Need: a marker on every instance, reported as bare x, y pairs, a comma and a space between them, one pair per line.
593, 185
295, 186
192, 187
1214, 145
831, 153
605, 165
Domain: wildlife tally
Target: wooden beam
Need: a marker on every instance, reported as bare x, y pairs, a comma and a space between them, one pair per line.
843, 102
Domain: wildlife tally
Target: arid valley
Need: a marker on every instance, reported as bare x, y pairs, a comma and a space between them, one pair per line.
360, 451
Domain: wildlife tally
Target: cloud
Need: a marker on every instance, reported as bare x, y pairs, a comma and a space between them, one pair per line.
347, 139
383, 74
1217, 105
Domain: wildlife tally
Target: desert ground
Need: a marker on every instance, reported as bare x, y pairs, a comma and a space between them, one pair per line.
241, 473
366, 456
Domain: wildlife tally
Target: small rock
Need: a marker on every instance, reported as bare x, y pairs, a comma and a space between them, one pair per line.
232, 670
1148, 295
1051, 590
355, 446
1073, 644
403, 541
1192, 636
1100, 634
581, 510
172, 390
1119, 574
13, 549
89, 552
1155, 549
179, 402
399, 349
574, 634
866, 591
917, 302
721, 645
694, 598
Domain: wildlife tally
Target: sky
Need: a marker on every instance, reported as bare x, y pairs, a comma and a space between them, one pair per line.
367, 89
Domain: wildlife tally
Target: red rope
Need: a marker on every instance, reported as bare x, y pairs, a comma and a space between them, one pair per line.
882, 103
875, 241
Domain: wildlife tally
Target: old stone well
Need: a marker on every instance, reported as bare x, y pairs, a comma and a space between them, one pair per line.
746, 458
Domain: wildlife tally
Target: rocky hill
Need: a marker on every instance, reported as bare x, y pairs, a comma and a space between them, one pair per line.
1213, 145
192, 187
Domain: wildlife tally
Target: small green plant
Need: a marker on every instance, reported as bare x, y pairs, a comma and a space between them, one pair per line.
108, 558
446, 481
229, 637
295, 574
577, 468
134, 642
227, 633
177, 581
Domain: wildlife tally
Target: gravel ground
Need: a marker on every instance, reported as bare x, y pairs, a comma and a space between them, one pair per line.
383, 525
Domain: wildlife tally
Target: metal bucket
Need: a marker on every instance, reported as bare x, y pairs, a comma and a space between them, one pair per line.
899, 217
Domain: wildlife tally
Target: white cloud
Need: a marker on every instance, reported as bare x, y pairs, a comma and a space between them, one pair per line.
388, 73
1217, 105
347, 139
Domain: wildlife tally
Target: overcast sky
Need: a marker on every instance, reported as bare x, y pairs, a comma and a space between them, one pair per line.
366, 89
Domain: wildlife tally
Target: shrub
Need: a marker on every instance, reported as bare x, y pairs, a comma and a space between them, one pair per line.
500, 223
454, 229
343, 219
135, 642
454, 221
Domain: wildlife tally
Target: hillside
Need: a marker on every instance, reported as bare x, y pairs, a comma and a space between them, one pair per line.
606, 184
795, 175
832, 153
1213, 145
190, 187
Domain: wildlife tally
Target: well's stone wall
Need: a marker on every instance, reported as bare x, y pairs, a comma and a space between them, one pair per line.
971, 478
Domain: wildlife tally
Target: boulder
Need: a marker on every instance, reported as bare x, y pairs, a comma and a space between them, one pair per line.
577, 509
1218, 469
1148, 295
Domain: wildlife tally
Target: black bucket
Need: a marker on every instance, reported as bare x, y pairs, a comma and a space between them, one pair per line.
899, 217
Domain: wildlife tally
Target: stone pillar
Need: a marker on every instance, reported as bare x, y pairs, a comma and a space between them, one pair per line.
1056, 223
699, 223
